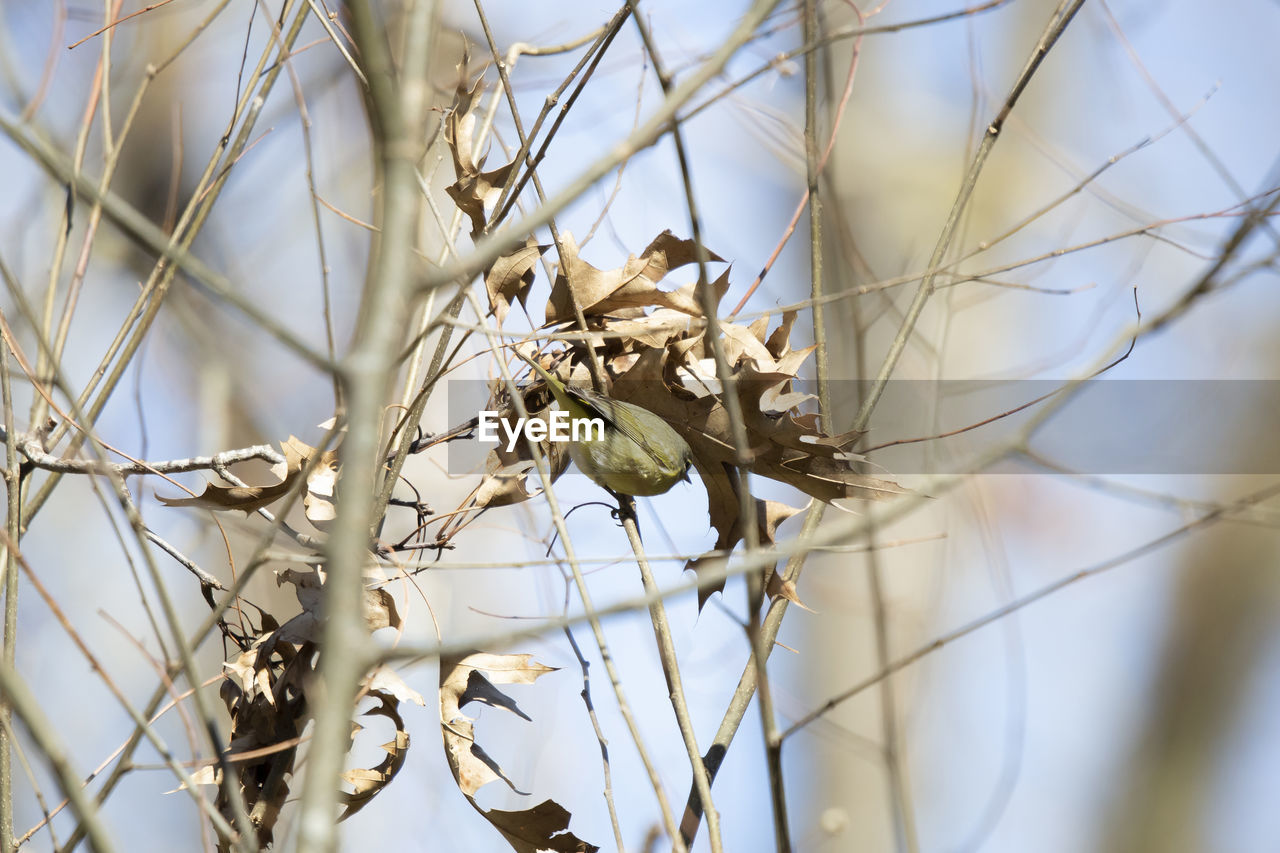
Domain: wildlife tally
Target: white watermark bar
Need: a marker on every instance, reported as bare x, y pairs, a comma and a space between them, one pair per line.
1102, 426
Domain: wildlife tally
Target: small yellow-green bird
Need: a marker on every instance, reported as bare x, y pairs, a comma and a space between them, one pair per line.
639, 453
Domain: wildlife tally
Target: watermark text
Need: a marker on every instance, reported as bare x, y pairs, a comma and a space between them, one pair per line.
560, 427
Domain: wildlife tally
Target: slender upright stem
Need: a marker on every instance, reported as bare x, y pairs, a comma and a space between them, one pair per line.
671, 671
366, 376
9, 575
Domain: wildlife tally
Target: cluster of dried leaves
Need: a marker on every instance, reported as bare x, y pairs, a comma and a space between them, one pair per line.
266, 684
266, 689
654, 348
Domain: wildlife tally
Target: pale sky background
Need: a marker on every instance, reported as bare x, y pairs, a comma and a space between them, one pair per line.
1017, 737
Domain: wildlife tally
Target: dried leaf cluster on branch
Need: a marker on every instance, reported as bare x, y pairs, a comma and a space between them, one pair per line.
653, 346
266, 695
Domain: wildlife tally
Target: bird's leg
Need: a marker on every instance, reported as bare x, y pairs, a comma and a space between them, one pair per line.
626, 508
620, 512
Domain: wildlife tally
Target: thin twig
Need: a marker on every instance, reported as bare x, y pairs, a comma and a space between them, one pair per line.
1211, 517
1053, 30
185, 649
725, 373
493, 246
584, 594
171, 248
45, 736
591, 61
1214, 161
840, 531
841, 35
600, 739
364, 371
171, 761
13, 479
186, 562
304, 122
30, 447
666, 646
671, 672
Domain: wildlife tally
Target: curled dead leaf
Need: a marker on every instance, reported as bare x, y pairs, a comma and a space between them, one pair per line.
460, 123
368, 782
471, 678
318, 498
474, 192
474, 187
248, 499
545, 827
634, 284
510, 278
785, 447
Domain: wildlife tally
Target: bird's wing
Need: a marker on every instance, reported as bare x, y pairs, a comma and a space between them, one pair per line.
605, 408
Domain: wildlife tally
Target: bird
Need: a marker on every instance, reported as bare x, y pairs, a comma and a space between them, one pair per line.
639, 454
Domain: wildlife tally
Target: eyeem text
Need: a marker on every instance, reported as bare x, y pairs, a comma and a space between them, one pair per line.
560, 428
